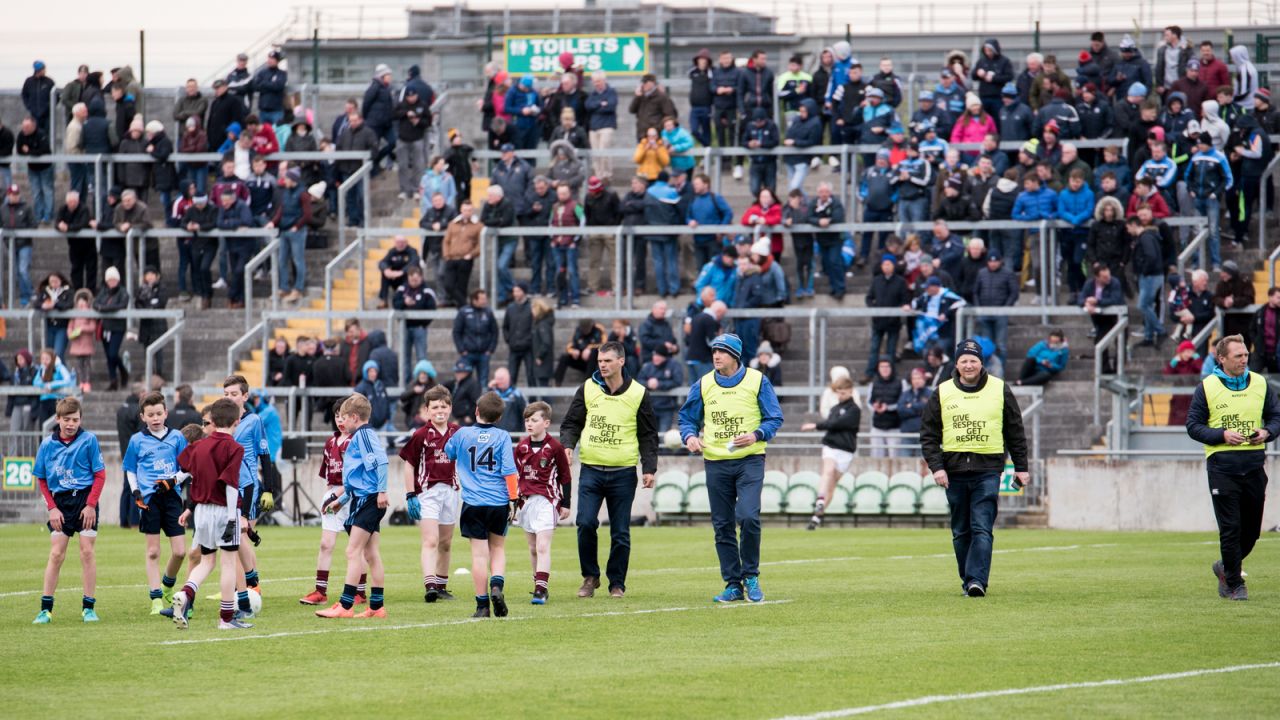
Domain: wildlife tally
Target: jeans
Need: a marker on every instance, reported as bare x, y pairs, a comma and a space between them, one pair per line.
537, 250
833, 267
802, 246
886, 338
567, 263
516, 358
873, 215
699, 370
56, 338
387, 134
973, 500
83, 254
1033, 373
271, 117
293, 244
1071, 248
25, 291
79, 182
764, 173
197, 173
42, 194
996, 327
1149, 287
526, 138
1237, 506
506, 255
699, 125
1210, 207
239, 252
1010, 245
666, 268
355, 204
914, 210
733, 489
796, 173
203, 251
479, 363
615, 489
748, 330
415, 349
111, 342
412, 157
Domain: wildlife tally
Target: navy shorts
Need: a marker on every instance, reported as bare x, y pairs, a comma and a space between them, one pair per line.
365, 514
478, 522
161, 515
72, 503
249, 501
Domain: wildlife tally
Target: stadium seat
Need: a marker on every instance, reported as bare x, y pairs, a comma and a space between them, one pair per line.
869, 493
909, 478
772, 499
933, 500
777, 478
843, 500
802, 493
902, 499
696, 501
669, 492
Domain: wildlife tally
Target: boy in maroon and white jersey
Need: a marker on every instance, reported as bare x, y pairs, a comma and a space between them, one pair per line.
431, 489
543, 466
331, 524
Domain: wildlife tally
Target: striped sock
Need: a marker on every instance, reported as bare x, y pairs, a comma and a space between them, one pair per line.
87, 602
361, 587
190, 589
375, 598
227, 611
322, 582
243, 597
442, 582
348, 596
251, 578
156, 594
497, 580
540, 580
430, 581
46, 602
168, 581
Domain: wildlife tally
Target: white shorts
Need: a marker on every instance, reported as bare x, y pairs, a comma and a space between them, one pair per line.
538, 514
842, 458
334, 522
441, 503
211, 521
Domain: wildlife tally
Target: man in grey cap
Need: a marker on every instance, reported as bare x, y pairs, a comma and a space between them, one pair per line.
240, 82
970, 424
293, 213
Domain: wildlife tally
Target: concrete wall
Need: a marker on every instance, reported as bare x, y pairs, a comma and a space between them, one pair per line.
1171, 495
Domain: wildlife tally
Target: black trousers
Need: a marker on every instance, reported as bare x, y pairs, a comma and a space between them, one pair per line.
1237, 505
83, 253
457, 274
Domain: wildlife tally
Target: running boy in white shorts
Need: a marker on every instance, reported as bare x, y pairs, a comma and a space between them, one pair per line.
838, 444
431, 490
214, 466
331, 524
544, 492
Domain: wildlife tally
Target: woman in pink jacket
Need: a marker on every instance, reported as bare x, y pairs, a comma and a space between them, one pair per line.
973, 126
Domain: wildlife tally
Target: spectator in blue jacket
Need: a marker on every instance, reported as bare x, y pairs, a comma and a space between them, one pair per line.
914, 399
270, 82
1045, 360
879, 196
1116, 164
234, 214
1161, 169
523, 104
1208, 179
1035, 202
914, 181
762, 134
1075, 206
805, 132
877, 118
602, 123
679, 143
1014, 117
720, 274
658, 374
707, 208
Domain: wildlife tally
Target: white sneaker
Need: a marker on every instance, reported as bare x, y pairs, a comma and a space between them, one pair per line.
219, 284
402, 196
737, 172
815, 163
833, 161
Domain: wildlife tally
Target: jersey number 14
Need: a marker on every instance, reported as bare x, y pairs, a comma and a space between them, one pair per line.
485, 460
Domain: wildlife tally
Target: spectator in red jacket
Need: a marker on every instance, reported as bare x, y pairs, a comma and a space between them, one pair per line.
1145, 193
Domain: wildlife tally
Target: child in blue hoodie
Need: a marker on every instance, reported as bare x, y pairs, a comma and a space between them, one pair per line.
1075, 206
372, 387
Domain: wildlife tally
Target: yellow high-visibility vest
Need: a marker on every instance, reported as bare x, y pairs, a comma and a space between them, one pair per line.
973, 422
609, 438
1239, 410
728, 412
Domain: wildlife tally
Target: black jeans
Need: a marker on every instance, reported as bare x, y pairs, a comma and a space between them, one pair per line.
457, 274
516, 358
973, 498
1237, 505
83, 254
203, 252
1034, 373
616, 489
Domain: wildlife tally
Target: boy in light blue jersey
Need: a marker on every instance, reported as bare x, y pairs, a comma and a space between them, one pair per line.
70, 474
253, 438
364, 485
486, 466
151, 469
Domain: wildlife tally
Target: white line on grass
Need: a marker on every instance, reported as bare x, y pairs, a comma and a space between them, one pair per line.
937, 699
369, 627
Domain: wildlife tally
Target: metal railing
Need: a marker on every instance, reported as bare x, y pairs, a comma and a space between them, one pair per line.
250, 267
172, 335
1268, 176
1115, 336
366, 168
1195, 247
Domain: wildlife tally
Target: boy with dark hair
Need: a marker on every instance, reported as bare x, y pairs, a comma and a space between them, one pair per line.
214, 464
431, 487
252, 436
364, 484
487, 474
544, 492
332, 523
151, 469
70, 474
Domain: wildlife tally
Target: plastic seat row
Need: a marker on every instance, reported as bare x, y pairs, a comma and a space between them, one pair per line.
869, 493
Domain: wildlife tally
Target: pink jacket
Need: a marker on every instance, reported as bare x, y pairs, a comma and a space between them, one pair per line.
970, 130
82, 345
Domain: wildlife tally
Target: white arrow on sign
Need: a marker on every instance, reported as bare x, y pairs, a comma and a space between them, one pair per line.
632, 55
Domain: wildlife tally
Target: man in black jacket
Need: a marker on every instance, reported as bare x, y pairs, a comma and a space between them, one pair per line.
1234, 413
656, 332
358, 137
224, 109
475, 334
1266, 334
970, 424
517, 329
73, 217
184, 412
611, 441
465, 389
377, 111
414, 295
329, 371
1149, 266
888, 290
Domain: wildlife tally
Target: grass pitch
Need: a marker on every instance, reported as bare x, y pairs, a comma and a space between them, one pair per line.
853, 619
